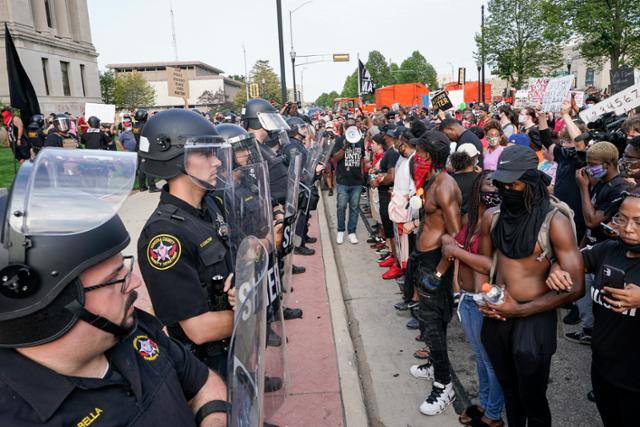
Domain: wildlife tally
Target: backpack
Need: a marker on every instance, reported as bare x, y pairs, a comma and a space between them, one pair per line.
544, 238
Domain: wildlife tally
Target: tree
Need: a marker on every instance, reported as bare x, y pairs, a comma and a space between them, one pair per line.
107, 86
132, 91
603, 29
379, 69
519, 40
266, 78
326, 99
416, 69
217, 101
350, 88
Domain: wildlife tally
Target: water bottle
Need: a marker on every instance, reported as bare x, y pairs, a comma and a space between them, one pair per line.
493, 294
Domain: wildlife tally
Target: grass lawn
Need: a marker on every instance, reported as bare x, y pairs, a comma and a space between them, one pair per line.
6, 167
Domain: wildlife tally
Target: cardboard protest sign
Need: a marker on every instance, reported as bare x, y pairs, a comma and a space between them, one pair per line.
178, 84
537, 86
619, 103
621, 78
441, 101
105, 112
521, 99
555, 93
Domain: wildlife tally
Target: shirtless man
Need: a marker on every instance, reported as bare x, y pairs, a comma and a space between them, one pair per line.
441, 203
520, 334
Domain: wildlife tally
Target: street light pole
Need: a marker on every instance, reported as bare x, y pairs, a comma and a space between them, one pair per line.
293, 52
479, 93
482, 52
302, 85
452, 73
283, 80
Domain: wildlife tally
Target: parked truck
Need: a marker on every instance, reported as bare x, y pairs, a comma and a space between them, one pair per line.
405, 95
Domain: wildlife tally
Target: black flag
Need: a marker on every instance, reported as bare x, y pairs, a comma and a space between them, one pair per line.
21, 91
367, 85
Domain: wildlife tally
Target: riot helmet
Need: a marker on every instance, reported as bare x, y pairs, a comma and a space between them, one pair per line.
62, 123
243, 144
94, 122
297, 126
253, 109
230, 117
141, 115
178, 141
38, 119
46, 213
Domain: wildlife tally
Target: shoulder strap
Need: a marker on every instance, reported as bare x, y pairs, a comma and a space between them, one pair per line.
494, 261
544, 240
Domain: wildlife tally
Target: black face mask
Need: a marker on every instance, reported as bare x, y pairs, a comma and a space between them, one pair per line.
490, 198
569, 152
631, 247
512, 200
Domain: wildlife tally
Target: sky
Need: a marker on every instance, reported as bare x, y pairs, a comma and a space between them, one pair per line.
214, 32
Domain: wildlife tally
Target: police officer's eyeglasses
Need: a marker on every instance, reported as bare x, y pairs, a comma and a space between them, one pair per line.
128, 263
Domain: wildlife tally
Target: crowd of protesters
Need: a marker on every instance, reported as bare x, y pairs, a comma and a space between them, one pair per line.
524, 204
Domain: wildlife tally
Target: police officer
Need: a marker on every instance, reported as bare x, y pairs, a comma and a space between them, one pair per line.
35, 133
94, 138
74, 350
183, 251
60, 131
145, 182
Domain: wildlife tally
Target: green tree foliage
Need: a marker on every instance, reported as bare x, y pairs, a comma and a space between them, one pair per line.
263, 74
603, 29
519, 40
379, 69
132, 91
326, 99
350, 88
416, 69
107, 86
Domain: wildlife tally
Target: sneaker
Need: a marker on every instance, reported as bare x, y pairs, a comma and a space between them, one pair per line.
384, 251
413, 324
393, 272
353, 239
291, 313
405, 305
387, 262
310, 239
340, 237
580, 337
297, 269
303, 250
372, 240
573, 317
423, 371
440, 398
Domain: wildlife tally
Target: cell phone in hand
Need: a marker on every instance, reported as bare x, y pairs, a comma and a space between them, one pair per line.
612, 277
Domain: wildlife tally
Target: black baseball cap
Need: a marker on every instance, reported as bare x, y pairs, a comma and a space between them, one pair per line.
514, 161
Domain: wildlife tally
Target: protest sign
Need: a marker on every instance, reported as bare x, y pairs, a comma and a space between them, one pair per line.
178, 84
555, 93
521, 99
621, 78
441, 101
619, 103
457, 98
105, 112
537, 86
579, 97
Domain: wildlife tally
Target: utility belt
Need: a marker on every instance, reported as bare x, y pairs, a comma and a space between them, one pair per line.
210, 349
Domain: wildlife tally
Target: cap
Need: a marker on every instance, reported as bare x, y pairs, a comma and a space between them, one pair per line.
520, 139
514, 161
378, 139
436, 136
397, 132
468, 148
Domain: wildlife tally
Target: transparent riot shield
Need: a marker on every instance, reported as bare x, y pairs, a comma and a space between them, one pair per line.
245, 379
289, 221
317, 154
249, 213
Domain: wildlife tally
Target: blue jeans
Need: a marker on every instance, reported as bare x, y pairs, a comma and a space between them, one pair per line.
348, 195
491, 396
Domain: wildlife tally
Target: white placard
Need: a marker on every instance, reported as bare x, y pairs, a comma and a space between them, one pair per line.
522, 98
619, 103
456, 97
555, 93
105, 112
144, 144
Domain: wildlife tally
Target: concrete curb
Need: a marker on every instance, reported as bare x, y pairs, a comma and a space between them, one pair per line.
355, 412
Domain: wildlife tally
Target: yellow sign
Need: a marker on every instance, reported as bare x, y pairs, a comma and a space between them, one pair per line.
340, 57
178, 83
254, 90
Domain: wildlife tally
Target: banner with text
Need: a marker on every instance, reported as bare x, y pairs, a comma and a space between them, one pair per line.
555, 93
619, 103
441, 101
178, 84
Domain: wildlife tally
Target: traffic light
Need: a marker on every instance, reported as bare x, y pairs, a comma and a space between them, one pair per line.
340, 57
254, 90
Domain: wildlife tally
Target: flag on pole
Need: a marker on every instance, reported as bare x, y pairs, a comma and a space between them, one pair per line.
367, 85
21, 92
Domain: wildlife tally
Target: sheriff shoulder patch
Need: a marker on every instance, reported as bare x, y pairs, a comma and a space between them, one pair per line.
146, 347
163, 251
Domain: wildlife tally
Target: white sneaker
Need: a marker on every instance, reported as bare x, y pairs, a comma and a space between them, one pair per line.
353, 239
340, 237
423, 372
440, 398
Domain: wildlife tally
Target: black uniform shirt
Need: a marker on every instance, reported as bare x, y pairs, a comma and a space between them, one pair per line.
150, 379
178, 253
53, 140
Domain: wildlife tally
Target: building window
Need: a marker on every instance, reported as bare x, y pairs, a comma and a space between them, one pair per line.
82, 76
589, 77
47, 10
64, 70
45, 73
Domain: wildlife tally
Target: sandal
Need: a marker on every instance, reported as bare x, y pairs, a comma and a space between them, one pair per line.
470, 414
422, 353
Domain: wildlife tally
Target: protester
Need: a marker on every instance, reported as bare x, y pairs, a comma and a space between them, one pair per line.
458, 134
496, 141
465, 170
508, 121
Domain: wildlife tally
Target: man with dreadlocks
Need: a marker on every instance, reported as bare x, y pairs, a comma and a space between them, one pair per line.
441, 204
522, 238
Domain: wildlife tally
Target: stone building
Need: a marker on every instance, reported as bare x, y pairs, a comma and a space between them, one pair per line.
53, 39
207, 86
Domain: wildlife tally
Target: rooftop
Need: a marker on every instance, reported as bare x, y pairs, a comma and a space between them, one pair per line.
198, 64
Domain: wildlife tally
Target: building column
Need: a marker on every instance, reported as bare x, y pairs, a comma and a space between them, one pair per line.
39, 16
62, 18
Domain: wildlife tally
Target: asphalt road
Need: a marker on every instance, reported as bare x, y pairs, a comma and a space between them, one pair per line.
384, 350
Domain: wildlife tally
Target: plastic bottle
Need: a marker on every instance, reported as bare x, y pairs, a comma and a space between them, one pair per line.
493, 294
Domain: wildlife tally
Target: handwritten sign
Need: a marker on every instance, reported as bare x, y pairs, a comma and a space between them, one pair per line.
105, 112
522, 99
555, 93
178, 83
440, 101
537, 86
619, 103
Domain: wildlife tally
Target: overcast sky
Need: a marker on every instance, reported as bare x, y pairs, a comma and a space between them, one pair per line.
213, 31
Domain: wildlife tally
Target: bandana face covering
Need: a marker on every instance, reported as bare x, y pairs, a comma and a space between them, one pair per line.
490, 198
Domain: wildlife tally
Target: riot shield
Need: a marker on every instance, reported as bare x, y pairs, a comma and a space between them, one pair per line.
317, 154
290, 218
249, 213
246, 350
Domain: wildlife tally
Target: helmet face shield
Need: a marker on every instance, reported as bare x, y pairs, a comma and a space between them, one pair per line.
283, 138
62, 123
245, 150
272, 121
208, 161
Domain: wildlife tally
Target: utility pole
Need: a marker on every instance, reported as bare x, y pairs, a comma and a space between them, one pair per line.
482, 52
246, 75
283, 80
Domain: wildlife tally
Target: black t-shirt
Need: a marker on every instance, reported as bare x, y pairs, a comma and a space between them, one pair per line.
616, 337
465, 182
349, 168
95, 140
566, 188
602, 197
53, 140
469, 137
388, 161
